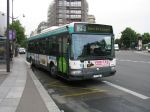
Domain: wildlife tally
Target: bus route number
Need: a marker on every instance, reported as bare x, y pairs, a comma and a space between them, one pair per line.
81, 28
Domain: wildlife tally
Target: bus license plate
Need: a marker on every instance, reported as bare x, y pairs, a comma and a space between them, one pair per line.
96, 76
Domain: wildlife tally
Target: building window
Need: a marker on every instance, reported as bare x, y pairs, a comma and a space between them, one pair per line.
75, 11
60, 20
60, 15
76, 4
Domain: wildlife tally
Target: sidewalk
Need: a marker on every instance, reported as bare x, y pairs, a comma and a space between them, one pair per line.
22, 92
3, 67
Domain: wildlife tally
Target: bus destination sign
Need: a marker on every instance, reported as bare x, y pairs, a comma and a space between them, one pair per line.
93, 28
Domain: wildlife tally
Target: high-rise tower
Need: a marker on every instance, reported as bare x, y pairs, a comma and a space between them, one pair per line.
65, 11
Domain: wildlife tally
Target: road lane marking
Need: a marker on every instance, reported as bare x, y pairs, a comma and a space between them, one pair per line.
84, 93
91, 89
127, 90
134, 61
51, 83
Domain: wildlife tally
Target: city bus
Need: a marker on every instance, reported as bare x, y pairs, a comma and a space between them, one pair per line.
75, 51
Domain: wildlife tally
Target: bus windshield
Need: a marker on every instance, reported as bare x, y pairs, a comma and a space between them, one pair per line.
91, 46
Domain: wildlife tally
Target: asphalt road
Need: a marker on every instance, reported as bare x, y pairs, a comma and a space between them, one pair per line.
127, 91
133, 71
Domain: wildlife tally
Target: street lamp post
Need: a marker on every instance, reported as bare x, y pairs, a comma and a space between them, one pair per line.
12, 52
7, 41
12, 12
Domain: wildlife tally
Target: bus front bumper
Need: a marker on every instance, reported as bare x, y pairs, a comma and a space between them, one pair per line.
89, 73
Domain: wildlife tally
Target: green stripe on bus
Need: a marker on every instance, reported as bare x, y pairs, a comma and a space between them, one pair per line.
62, 65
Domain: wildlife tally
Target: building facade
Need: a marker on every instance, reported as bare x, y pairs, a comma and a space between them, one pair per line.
66, 11
91, 19
3, 23
42, 26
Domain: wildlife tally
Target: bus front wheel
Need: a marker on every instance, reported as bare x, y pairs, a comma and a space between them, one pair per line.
53, 71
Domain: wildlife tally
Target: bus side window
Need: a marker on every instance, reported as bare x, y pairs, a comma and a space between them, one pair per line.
40, 46
50, 46
54, 47
44, 46
66, 43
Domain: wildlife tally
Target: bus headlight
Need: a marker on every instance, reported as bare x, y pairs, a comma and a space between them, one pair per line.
113, 68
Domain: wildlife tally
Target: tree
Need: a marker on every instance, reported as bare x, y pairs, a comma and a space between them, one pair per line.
20, 32
24, 43
128, 38
146, 38
117, 41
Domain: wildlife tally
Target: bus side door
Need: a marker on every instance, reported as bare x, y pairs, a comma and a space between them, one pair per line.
63, 60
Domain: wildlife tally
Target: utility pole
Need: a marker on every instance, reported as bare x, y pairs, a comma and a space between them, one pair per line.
13, 43
7, 41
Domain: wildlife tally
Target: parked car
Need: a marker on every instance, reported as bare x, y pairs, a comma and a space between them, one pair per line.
148, 47
21, 50
116, 46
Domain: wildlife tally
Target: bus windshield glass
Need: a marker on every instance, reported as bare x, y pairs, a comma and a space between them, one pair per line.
91, 46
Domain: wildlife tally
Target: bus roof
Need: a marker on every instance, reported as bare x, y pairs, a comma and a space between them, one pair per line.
75, 27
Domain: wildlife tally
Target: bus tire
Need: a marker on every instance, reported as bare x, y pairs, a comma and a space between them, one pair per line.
53, 71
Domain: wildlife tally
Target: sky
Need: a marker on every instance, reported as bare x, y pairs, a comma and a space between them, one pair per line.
118, 13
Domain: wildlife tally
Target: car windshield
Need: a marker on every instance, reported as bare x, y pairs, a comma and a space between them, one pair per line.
21, 48
91, 46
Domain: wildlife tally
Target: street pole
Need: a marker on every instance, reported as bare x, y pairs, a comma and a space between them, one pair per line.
13, 44
7, 41
69, 11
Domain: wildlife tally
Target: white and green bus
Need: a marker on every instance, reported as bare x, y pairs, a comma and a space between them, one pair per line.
75, 51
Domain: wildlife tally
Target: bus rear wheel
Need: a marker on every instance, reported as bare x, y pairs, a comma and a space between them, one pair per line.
53, 71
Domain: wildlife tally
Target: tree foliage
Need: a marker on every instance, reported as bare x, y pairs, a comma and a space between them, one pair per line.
146, 38
128, 38
20, 32
117, 41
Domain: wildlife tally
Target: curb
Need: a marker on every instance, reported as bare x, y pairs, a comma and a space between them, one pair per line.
50, 104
